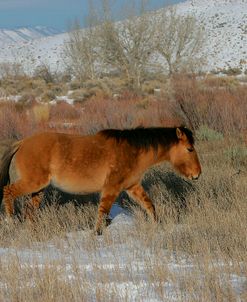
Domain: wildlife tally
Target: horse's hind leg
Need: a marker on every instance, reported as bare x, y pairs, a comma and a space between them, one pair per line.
139, 195
17, 189
10, 193
33, 204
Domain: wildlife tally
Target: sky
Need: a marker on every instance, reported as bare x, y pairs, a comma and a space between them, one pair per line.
58, 14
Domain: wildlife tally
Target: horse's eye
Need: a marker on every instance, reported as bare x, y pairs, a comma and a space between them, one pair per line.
190, 149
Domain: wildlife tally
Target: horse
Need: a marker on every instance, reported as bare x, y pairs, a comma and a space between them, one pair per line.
108, 162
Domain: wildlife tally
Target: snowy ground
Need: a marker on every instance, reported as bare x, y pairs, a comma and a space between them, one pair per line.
225, 22
24, 34
127, 265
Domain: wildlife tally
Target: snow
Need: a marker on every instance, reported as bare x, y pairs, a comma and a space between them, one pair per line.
62, 98
225, 22
48, 50
72, 257
24, 34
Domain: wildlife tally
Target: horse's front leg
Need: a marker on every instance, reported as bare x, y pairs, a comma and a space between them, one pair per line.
138, 194
108, 197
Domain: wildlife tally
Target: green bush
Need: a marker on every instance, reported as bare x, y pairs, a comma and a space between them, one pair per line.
48, 96
237, 155
206, 134
79, 95
232, 71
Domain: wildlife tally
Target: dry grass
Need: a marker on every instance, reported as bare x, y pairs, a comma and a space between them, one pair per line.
196, 253
41, 113
14, 123
64, 112
219, 107
217, 103
32, 88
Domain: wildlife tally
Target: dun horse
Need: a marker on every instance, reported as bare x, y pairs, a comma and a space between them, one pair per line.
108, 162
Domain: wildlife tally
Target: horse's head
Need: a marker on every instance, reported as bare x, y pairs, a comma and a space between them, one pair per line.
183, 155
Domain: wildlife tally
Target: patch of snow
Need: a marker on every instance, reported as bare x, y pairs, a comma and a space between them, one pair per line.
13, 98
63, 98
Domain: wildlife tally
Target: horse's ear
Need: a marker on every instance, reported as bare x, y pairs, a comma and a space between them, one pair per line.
180, 134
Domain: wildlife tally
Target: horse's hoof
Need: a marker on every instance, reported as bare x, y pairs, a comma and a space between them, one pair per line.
108, 221
99, 232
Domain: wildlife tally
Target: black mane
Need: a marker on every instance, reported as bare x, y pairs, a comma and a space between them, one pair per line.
144, 138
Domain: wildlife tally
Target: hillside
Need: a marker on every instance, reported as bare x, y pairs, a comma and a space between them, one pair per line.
24, 34
225, 22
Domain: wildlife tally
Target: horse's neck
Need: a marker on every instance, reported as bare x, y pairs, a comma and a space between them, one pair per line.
161, 154
153, 157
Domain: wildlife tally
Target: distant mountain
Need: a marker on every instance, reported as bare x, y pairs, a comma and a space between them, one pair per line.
25, 34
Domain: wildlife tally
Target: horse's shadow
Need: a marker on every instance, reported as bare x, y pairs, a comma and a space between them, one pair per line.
164, 188
156, 180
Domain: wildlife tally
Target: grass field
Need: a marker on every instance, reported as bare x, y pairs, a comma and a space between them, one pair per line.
198, 251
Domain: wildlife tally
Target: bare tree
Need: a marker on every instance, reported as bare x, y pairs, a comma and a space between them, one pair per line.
127, 46
80, 51
180, 41
11, 70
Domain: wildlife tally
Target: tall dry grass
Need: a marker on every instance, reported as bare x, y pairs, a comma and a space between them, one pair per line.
197, 251
216, 103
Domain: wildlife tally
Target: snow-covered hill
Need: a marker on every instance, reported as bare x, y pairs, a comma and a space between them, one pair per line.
24, 34
225, 22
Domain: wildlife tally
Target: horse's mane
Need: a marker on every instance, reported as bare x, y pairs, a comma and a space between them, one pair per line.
144, 138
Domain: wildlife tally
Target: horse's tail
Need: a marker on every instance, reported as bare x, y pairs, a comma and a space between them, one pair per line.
5, 164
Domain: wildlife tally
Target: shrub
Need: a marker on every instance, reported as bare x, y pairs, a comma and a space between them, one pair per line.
11, 70
129, 111
228, 82
41, 113
64, 111
79, 95
206, 134
150, 86
58, 89
48, 96
232, 71
219, 108
116, 84
44, 72
15, 123
237, 155
27, 97
75, 84
97, 86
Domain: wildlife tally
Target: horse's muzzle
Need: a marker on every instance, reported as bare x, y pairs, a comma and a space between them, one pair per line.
195, 177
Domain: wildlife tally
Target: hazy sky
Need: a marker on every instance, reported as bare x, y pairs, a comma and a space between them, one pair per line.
54, 13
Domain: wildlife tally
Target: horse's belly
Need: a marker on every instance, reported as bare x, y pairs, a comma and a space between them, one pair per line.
78, 185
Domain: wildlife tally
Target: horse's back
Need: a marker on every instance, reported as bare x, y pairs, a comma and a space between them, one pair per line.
75, 164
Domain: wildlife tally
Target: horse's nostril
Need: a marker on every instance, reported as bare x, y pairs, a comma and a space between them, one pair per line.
195, 177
